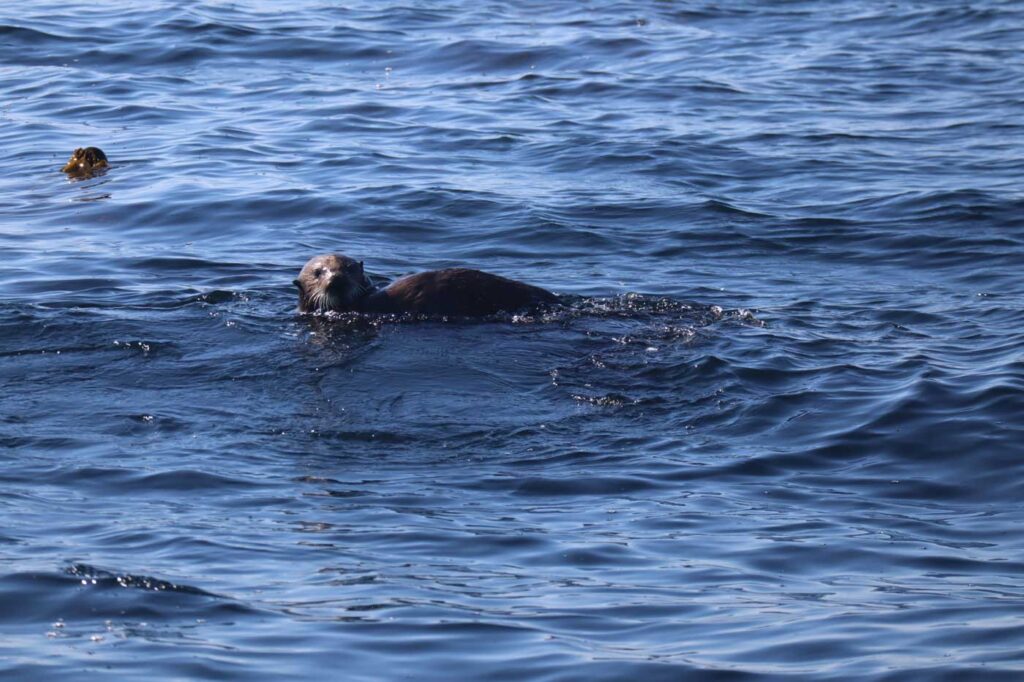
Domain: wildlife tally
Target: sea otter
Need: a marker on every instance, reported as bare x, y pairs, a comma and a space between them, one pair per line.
333, 282
84, 162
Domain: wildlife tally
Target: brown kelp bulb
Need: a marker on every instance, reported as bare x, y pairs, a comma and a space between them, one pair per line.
85, 161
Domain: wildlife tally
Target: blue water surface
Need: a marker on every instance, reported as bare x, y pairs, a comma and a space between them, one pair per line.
775, 432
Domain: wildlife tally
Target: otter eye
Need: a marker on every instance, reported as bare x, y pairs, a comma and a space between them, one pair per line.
318, 272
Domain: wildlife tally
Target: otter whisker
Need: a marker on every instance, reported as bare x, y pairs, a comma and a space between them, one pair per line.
318, 300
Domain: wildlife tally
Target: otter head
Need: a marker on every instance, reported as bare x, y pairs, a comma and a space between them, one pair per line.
332, 282
85, 161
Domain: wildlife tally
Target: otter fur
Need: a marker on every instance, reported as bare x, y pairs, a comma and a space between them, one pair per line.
334, 282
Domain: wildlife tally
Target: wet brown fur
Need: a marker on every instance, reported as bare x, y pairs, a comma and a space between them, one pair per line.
332, 282
453, 291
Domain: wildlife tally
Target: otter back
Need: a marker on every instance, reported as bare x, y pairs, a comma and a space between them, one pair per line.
457, 291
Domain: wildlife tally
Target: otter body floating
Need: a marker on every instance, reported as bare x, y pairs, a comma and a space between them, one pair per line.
85, 162
333, 282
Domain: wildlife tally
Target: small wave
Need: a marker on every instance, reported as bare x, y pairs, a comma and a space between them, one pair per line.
31, 36
90, 575
81, 595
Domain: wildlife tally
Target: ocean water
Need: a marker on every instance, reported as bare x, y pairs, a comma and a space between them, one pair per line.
776, 431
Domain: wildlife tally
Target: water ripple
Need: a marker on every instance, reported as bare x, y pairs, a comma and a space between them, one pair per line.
772, 431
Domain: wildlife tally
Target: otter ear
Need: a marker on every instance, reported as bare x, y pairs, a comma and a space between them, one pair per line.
360, 266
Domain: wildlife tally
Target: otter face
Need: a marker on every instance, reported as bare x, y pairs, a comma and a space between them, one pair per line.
84, 162
331, 282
